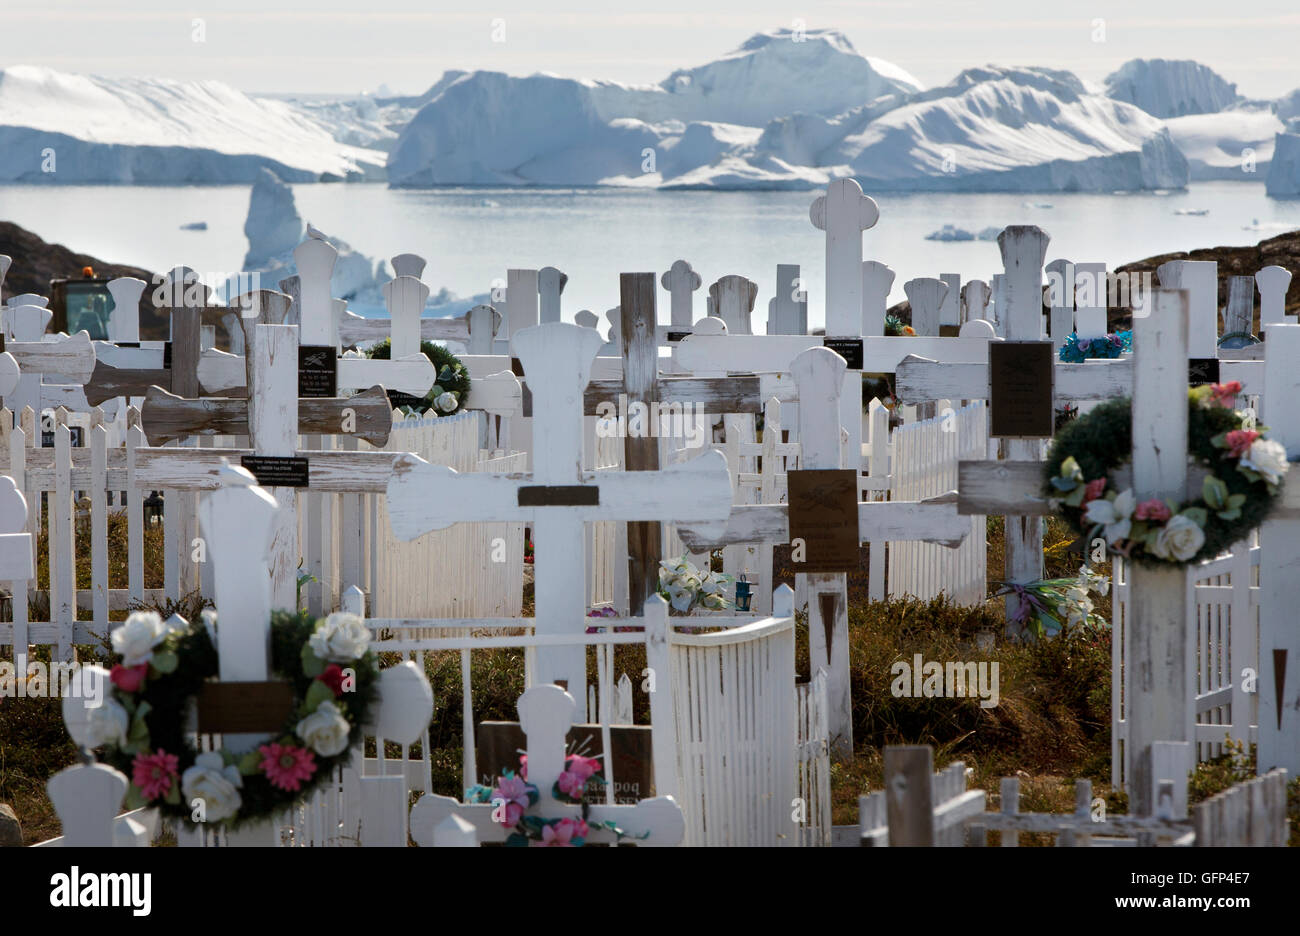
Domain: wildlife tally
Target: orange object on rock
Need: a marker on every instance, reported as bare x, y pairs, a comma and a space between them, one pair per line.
88, 272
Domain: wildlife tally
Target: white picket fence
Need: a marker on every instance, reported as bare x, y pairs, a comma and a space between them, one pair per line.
1223, 639
924, 464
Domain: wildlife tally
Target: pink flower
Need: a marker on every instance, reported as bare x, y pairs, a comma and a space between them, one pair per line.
515, 793
1240, 440
154, 774
1225, 394
128, 678
583, 767
562, 833
1153, 509
523, 766
571, 784
287, 766
1092, 490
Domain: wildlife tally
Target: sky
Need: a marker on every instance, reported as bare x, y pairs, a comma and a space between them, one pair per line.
349, 47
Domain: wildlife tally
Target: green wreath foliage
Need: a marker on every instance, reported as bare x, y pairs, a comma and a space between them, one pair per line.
453, 377
190, 660
1102, 441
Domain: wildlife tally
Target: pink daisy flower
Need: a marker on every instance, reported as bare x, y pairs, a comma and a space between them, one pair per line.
515, 793
154, 774
571, 784
287, 766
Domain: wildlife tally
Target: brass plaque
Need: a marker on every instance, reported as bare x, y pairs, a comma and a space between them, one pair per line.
824, 514
1021, 390
244, 707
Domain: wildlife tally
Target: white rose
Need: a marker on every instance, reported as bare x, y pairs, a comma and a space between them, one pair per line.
217, 784
107, 723
1179, 539
136, 639
1267, 458
446, 402
325, 730
340, 638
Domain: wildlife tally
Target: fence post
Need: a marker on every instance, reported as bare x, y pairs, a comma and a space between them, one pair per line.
908, 776
659, 674
1010, 790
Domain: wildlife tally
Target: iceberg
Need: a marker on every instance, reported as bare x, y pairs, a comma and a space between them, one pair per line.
65, 128
1165, 88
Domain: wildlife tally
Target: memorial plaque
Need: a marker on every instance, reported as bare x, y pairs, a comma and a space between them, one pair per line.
824, 514
397, 398
1202, 371
674, 336
127, 344
1021, 390
517, 368
47, 437
559, 495
318, 370
277, 471
498, 745
244, 707
848, 348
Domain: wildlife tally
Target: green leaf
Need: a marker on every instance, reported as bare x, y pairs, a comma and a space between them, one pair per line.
173, 797
1214, 491
134, 798
1229, 514
1076, 498
316, 694
1198, 515
164, 662
250, 764
312, 665
1236, 500
1220, 440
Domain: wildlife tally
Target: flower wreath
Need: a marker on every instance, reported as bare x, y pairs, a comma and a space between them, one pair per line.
516, 795
1245, 472
144, 727
1075, 349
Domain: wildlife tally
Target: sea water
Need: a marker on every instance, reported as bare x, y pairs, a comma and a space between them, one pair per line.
470, 236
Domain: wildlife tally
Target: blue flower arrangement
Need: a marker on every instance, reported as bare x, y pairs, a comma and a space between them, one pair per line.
1076, 349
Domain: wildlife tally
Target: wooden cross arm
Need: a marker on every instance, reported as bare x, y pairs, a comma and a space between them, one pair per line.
354, 328
773, 353
716, 395
1014, 488
919, 379
72, 357
220, 372
485, 365
331, 472
934, 520
108, 382
659, 819
165, 416
424, 497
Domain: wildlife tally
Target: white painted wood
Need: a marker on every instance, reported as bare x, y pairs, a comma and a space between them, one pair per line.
843, 213
221, 373
773, 353
877, 281
950, 311
1200, 279
681, 281
1060, 293
1158, 709
733, 302
550, 286
408, 264
124, 324
315, 260
927, 297
16, 565
1239, 315
787, 311
974, 300
273, 430
1273, 282
87, 798
405, 297
1090, 295
1279, 570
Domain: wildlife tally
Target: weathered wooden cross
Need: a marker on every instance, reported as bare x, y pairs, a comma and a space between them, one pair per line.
558, 497
819, 373
1159, 703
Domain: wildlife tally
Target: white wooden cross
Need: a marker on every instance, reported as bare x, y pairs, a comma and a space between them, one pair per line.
1279, 559
877, 281
558, 497
733, 301
1273, 282
1159, 705
28, 356
819, 373
473, 329
681, 281
550, 286
546, 712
